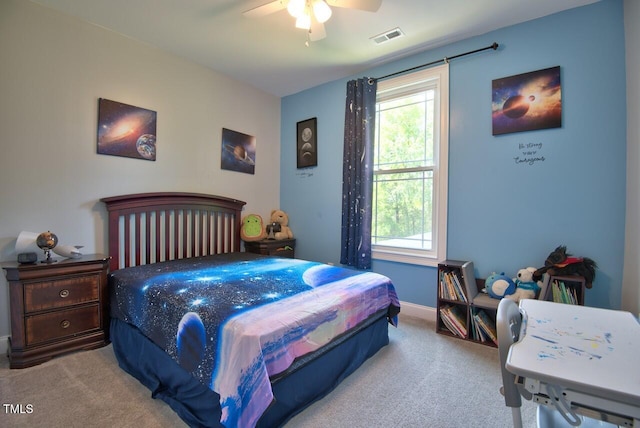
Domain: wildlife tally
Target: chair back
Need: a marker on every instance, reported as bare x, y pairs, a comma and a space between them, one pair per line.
508, 323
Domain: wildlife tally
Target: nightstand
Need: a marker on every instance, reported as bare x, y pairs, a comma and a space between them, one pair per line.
57, 308
272, 247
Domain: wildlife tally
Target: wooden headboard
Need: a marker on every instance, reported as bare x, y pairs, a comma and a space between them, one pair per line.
147, 228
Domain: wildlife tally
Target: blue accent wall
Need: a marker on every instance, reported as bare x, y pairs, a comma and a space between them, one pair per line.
502, 215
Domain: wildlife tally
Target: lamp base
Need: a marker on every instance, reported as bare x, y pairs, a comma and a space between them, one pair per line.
48, 259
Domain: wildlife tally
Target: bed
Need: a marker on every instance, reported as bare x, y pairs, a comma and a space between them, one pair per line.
229, 338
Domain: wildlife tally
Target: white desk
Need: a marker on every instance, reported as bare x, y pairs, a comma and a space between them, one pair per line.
587, 356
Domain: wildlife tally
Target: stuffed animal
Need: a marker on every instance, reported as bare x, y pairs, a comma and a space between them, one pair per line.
526, 287
499, 285
252, 228
279, 226
559, 263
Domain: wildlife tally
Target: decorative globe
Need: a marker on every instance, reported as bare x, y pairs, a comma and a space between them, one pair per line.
47, 240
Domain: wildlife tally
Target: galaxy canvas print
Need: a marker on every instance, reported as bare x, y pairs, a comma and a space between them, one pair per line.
527, 102
125, 130
238, 151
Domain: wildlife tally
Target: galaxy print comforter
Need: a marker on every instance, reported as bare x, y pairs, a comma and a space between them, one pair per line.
234, 320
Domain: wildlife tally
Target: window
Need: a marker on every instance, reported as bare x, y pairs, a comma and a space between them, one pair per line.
410, 167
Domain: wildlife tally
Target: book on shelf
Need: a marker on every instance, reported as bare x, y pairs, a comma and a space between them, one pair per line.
450, 326
451, 292
454, 319
458, 287
478, 335
444, 291
561, 293
486, 325
451, 287
447, 320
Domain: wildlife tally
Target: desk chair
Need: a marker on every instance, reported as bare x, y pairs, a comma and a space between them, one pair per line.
508, 326
508, 323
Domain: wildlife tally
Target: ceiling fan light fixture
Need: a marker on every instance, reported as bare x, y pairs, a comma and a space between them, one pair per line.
304, 21
296, 7
322, 11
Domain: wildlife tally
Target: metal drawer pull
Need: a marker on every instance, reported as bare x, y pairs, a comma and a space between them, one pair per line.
64, 293
65, 323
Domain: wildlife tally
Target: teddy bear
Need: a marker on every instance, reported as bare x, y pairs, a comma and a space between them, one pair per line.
526, 287
279, 227
252, 228
499, 285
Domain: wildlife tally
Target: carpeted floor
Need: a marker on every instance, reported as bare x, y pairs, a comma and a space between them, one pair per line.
422, 379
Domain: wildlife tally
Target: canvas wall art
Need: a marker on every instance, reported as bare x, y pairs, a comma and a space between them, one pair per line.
126, 130
307, 143
527, 102
238, 151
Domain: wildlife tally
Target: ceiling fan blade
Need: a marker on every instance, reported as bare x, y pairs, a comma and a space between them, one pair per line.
265, 9
368, 5
317, 31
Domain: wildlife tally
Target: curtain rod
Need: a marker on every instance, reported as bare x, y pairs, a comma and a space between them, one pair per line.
494, 46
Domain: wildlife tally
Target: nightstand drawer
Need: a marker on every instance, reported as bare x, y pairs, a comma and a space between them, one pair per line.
60, 324
61, 292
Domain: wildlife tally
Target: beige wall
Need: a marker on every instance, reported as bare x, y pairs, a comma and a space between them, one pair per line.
53, 69
631, 276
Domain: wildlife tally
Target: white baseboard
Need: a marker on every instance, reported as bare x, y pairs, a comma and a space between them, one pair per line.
4, 344
417, 311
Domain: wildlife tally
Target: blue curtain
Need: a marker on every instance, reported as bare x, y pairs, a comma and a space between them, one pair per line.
357, 173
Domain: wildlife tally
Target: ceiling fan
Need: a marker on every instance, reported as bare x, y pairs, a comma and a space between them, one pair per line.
311, 15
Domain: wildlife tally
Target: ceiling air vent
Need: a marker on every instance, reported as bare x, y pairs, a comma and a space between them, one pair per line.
387, 35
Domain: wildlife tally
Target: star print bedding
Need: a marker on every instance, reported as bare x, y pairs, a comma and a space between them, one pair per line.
235, 320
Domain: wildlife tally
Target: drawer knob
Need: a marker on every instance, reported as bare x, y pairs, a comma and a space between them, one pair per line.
64, 293
65, 323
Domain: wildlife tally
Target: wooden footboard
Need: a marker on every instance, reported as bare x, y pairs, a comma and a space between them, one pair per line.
147, 228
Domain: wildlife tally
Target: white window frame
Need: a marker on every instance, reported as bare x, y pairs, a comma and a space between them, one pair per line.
440, 169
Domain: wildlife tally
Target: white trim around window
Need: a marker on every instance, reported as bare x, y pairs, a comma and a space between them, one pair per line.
441, 171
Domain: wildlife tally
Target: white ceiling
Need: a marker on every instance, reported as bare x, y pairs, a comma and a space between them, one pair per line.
270, 53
